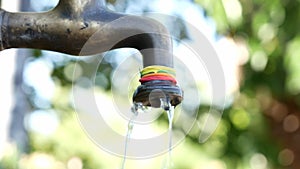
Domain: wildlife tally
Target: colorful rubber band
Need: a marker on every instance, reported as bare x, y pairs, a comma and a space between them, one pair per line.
158, 72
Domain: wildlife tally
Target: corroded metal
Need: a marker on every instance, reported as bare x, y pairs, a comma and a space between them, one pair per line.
86, 27
71, 23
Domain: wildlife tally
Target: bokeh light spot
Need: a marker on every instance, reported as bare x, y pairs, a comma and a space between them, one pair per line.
286, 157
259, 61
240, 119
266, 32
70, 73
75, 163
291, 123
258, 161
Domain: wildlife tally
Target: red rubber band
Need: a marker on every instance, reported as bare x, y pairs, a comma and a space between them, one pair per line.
150, 78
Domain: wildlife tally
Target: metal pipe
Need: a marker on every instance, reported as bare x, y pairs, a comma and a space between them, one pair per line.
74, 25
68, 27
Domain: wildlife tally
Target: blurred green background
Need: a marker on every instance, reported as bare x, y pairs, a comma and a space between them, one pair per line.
259, 128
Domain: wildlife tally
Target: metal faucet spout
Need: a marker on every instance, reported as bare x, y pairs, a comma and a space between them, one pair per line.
71, 23
76, 24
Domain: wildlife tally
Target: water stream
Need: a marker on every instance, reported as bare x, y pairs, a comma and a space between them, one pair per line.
135, 109
166, 105
170, 113
129, 131
138, 108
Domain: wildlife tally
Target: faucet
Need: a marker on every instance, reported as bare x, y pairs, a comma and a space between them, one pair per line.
68, 26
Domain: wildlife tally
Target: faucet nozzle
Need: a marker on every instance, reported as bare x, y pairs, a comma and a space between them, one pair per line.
158, 83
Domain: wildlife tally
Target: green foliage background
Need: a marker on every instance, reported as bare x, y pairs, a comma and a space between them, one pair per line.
270, 29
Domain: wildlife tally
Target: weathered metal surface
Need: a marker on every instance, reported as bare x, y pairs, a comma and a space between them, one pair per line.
86, 27
68, 27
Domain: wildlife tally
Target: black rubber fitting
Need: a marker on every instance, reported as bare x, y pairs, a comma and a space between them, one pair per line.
151, 93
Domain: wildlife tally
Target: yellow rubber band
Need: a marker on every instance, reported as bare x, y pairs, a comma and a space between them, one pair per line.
158, 69
159, 74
